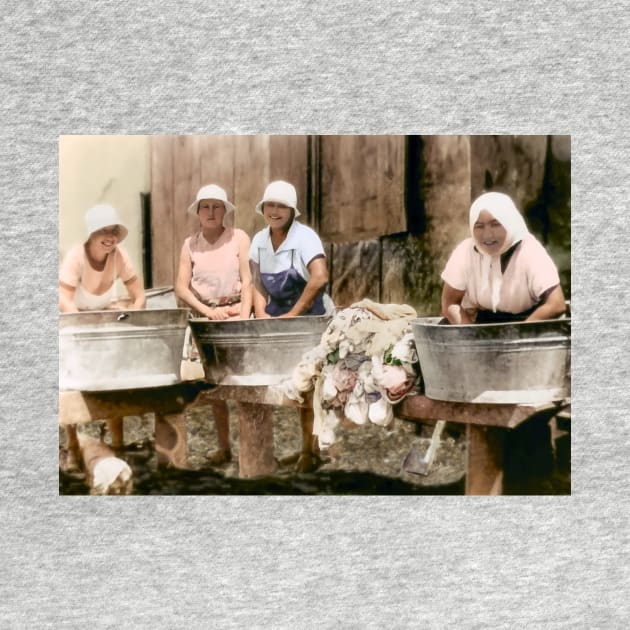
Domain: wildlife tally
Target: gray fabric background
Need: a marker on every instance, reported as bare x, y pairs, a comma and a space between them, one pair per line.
326, 562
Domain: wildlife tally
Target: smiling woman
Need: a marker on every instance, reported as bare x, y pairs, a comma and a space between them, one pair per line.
502, 273
287, 259
88, 273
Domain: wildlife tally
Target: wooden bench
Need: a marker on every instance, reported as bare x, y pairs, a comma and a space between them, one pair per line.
486, 424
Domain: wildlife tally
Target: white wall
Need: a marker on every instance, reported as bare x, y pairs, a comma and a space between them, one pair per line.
103, 169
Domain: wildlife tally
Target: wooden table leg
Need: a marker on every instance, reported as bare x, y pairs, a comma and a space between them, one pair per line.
484, 474
255, 441
170, 440
309, 459
115, 426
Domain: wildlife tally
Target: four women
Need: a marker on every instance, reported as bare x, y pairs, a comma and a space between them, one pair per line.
501, 273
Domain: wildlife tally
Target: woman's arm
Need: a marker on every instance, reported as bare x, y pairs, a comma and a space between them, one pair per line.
246, 277
135, 289
183, 292
318, 272
451, 305
259, 295
66, 299
552, 306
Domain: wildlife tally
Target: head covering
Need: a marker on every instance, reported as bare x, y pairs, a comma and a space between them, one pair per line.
280, 192
502, 208
102, 216
212, 191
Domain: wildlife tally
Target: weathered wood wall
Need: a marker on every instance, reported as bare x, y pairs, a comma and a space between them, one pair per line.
242, 165
389, 209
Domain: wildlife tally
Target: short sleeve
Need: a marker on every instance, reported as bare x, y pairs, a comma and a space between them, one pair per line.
254, 254
71, 267
125, 270
456, 270
542, 271
310, 246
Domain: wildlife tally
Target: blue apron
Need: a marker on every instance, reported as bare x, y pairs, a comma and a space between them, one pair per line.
284, 289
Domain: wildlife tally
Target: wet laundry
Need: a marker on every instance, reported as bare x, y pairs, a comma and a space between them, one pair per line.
365, 362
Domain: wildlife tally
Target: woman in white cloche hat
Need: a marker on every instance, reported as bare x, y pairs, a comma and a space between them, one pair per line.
290, 277
288, 260
215, 281
88, 273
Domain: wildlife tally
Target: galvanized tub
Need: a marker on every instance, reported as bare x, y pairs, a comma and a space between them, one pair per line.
254, 351
111, 350
523, 362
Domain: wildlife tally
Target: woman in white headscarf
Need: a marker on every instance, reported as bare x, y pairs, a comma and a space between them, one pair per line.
502, 273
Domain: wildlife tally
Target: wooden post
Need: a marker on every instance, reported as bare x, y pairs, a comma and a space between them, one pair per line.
484, 473
255, 456
115, 426
170, 440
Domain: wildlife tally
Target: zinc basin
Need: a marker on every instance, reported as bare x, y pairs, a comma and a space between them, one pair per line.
517, 363
254, 352
113, 350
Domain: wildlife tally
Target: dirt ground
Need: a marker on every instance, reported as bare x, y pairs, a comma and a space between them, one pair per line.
365, 459
368, 449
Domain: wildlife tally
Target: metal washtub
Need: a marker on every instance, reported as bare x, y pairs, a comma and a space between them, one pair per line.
111, 350
254, 351
523, 362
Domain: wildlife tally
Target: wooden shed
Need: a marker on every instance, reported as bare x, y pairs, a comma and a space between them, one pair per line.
389, 209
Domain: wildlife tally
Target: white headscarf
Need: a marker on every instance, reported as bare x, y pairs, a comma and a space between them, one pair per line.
502, 208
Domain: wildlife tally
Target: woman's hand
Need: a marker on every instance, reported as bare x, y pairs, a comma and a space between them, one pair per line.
452, 306
216, 314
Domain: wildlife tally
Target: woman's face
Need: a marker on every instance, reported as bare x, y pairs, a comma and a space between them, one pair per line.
489, 234
106, 238
277, 215
211, 213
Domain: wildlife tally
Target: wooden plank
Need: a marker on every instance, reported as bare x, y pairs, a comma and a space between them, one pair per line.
255, 441
511, 164
251, 176
170, 440
186, 183
355, 272
76, 407
484, 471
288, 157
162, 210
362, 187
407, 274
505, 416
263, 395
217, 162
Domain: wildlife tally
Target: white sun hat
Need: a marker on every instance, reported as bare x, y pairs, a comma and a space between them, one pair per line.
101, 216
280, 192
212, 191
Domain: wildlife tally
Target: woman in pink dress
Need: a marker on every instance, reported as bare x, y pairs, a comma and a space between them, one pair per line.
501, 273
89, 271
215, 281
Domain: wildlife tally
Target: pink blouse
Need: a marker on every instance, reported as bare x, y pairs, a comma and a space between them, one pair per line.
529, 273
215, 266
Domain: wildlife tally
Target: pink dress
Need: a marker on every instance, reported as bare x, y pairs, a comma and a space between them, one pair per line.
216, 277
